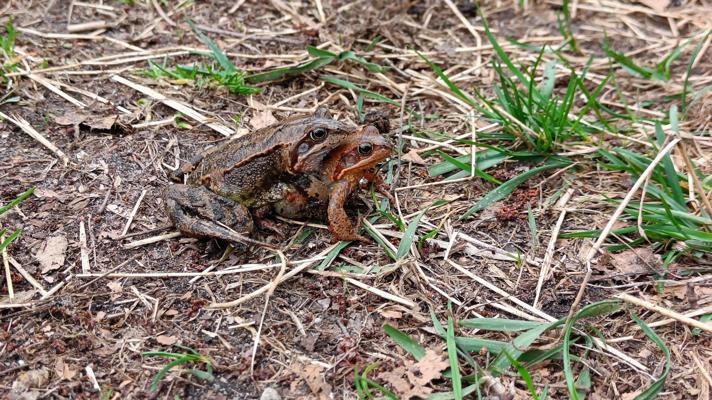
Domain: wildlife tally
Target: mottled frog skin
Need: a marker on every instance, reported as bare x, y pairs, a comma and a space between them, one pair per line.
344, 170
241, 174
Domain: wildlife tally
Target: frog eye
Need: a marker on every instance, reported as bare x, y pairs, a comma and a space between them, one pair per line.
318, 134
365, 149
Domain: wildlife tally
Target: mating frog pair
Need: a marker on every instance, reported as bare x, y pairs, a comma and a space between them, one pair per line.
294, 167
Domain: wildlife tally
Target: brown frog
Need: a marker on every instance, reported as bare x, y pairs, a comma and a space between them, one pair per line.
224, 183
344, 170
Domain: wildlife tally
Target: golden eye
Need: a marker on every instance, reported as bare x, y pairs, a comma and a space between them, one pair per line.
318, 134
365, 149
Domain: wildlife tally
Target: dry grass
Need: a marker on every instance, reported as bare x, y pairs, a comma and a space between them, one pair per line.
99, 278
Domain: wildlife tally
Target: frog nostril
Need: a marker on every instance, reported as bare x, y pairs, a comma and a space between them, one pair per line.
318, 134
303, 148
365, 149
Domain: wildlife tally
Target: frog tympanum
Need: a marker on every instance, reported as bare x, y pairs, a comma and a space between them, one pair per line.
224, 183
346, 167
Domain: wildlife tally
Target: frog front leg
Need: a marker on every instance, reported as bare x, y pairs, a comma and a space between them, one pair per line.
196, 211
339, 223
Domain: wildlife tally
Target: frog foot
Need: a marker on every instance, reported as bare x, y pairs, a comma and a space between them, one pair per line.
196, 211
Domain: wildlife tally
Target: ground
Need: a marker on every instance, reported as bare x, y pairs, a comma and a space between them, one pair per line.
107, 298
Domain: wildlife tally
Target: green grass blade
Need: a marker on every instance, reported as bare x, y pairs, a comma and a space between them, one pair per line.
520, 344
326, 262
531, 221
627, 63
452, 356
219, 56
409, 236
524, 374
474, 344
453, 88
591, 310
405, 342
22, 197
671, 177
499, 324
502, 55
508, 187
349, 85
693, 57
164, 371
285, 72
10, 238
652, 391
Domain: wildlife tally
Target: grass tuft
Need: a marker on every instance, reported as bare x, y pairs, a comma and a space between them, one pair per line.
191, 356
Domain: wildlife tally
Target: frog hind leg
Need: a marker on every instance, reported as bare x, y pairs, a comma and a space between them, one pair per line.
196, 211
261, 218
339, 223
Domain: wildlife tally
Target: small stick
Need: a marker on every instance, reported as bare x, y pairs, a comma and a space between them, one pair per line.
265, 288
27, 276
83, 248
92, 378
462, 19
702, 369
320, 11
377, 292
105, 274
664, 311
8, 276
88, 26
695, 313
174, 104
28, 129
162, 13
609, 226
273, 286
56, 288
96, 6
549, 255
133, 212
46, 83
154, 275
152, 239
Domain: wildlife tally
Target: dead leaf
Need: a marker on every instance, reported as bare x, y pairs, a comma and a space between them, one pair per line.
417, 375
391, 314
167, 340
261, 116
115, 286
52, 253
99, 316
47, 194
636, 261
396, 380
414, 157
171, 313
657, 5
428, 368
20, 297
631, 395
313, 375
101, 123
64, 371
69, 118
35, 378
261, 119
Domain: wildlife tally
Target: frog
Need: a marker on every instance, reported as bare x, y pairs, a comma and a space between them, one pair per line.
224, 184
347, 168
